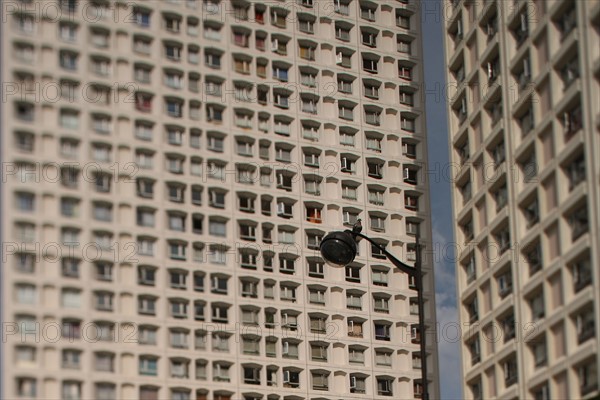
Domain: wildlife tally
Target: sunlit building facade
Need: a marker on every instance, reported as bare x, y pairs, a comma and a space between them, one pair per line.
171, 167
524, 126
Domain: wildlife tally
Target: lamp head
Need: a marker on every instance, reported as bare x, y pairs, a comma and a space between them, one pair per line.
338, 249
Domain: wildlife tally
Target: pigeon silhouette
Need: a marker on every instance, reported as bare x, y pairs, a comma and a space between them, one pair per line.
357, 228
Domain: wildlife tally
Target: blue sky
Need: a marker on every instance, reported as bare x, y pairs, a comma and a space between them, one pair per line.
450, 371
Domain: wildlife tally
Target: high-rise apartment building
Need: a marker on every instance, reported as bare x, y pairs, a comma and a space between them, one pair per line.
524, 121
169, 170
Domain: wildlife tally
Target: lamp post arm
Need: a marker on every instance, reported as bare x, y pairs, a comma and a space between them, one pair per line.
407, 269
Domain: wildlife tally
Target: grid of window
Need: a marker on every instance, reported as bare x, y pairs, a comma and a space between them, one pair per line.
222, 189
520, 101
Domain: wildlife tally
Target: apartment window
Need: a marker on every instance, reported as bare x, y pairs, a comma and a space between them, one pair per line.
382, 332
103, 301
316, 295
355, 328
403, 21
306, 24
502, 237
408, 124
510, 372
251, 345
218, 255
213, 60
104, 271
67, 32
501, 197
349, 192
104, 362
353, 274
539, 350
25, 201
142, 46
381, 303
278, 17
567, 21
536, 305
68, 60
384, 386
521, 29
411, 202
249, 288
291, 378
569, 72
287, 292
542, 392
247, 231
526, 122
148, 366
282, 127
491, 26
498, 154
404, 46
473, 309
316, 269
219, 313
71, 390
504, 282
102, 212
219, 284
24, 263
508, 327
493, 70
370, 64
354, 300
342, 7
143, 102
221, 372
588, 377
25, 294
70, 267
173, 51
251, 375
241, 39
146, 305
356, 354
579, 222
279, 45
102, 182
585, 322
377, 222
307, 52
575, 172
343, 58
147, 335
572, 121
375, 169
358, 383
320, 380
289, 349
582, 274
379, 276
383, 357
71, 359
342, 33
24, 141
24, 53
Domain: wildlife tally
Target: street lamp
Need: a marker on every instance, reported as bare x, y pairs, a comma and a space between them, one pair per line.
339, 249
